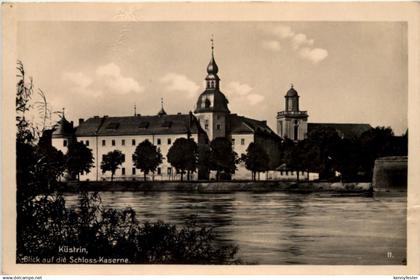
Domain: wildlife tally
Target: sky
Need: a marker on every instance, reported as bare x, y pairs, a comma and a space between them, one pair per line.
344, 72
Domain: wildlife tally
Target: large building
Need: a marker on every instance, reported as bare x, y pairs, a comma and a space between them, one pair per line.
212, 118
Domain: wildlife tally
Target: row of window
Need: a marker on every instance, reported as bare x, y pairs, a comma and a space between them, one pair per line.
133, 142
242, 141
291, 173
206, 125
158, 171
113, 142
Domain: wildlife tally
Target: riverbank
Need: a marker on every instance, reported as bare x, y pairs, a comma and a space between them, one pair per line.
218, 187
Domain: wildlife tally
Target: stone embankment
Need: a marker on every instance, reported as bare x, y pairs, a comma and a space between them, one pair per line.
220, 187
390, 173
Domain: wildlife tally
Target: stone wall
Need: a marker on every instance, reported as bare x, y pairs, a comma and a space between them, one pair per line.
390, 172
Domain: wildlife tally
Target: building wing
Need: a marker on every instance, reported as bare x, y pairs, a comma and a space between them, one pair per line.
138, 125
344, 130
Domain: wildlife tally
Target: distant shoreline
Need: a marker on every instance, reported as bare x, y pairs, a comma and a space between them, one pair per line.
219, 187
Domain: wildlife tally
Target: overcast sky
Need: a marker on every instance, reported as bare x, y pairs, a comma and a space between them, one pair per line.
344, 72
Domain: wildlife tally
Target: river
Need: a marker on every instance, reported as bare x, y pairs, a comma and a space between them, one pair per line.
284, 228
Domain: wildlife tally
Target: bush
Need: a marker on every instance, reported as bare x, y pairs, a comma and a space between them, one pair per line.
46, 225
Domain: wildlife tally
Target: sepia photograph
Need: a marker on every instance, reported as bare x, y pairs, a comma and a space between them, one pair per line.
211, 142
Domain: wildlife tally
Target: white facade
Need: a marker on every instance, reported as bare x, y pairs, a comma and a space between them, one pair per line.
127, 144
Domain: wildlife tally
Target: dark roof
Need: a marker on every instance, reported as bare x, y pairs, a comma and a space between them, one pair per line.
345, 130
243, 125
138, 125
62, 128
291, 92
219, 104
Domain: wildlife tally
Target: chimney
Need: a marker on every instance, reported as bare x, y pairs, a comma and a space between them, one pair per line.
81, 121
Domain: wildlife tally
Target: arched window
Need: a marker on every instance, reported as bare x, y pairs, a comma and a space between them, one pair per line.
207, 103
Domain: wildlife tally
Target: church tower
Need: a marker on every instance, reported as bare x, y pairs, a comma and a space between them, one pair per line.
212, 106
292, 123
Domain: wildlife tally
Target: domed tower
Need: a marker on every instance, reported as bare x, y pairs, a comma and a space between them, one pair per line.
292, 123
212, 106
63, 134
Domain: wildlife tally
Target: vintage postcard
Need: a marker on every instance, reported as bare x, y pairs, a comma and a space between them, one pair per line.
268, 138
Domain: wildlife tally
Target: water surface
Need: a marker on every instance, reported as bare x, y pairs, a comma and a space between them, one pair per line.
284, 228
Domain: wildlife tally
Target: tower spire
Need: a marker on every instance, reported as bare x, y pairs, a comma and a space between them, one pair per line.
162, 111
135, 111
64, 112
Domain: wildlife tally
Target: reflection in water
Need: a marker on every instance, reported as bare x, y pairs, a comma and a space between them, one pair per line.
283, 228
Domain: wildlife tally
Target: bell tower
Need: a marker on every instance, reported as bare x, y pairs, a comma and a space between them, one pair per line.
212, 105
292, 123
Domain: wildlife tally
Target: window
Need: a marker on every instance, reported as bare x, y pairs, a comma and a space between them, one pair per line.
133, 142
281, 172
113, 142
82, 173
159, 171
218, 126
87, 143
158, 141
242, 141
169, 170
233, 141
64, 143
123, 142
169, 141
123, 171
103, 143
133, 171
206, 124
207, 103
287, 172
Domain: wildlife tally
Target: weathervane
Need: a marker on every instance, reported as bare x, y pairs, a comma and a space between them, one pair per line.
212, 43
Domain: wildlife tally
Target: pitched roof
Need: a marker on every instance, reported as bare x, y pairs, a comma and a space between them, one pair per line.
345, 130
62, 128
244, 125
138, 125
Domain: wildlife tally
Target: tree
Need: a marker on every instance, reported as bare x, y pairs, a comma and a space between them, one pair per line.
78, 159
256, 159
375, 143
222, 156
112, 161
324, 143
183, 155
49, 167
147, 157
296, 156
203, 161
